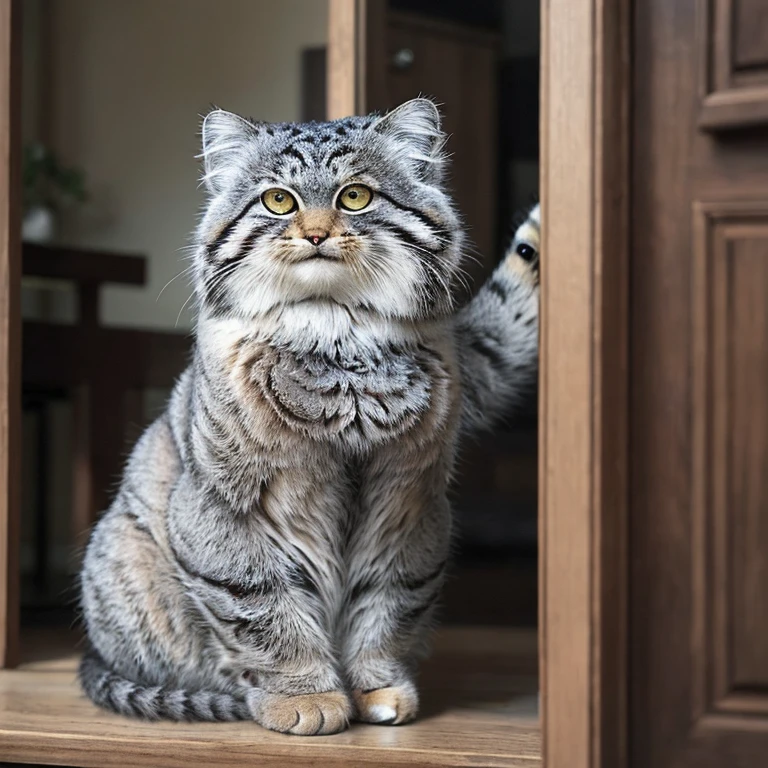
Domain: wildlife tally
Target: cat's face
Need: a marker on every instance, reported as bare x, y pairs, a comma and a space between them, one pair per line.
351, 211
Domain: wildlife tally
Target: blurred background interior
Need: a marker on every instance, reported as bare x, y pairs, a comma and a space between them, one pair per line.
112, 94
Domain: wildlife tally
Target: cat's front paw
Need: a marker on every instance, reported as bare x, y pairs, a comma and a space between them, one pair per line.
522, 258
308, 714
393, 705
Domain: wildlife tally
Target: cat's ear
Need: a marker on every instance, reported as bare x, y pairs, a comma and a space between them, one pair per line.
416, 124
225, 136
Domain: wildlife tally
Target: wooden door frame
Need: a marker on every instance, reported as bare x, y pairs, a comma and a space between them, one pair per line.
584, 382
584, 363
584, 379
10, 328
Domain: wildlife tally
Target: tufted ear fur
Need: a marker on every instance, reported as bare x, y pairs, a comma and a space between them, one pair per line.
225, 136
416, 123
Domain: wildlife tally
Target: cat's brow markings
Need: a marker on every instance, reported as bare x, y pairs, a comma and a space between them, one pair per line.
292, 151
337, 153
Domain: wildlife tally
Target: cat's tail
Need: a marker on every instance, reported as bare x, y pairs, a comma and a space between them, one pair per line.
109, 690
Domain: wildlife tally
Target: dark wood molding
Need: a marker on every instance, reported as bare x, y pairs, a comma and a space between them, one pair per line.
446, 28
730, 241
313, 84
10, 328
375, 53
132, 359
733, 67
83, 266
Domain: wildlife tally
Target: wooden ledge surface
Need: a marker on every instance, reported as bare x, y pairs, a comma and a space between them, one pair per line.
479, 709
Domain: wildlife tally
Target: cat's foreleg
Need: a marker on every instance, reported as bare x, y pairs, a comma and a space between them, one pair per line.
497, 333
267, 580
397, 557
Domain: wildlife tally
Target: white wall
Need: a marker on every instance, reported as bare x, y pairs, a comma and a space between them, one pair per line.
128, 79
123, 83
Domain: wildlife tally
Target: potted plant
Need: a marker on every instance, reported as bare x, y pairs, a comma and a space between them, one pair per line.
48, 186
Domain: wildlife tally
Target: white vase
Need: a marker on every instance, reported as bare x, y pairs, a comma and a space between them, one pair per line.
38, 225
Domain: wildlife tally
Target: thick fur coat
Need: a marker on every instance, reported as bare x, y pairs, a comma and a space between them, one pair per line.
279, 540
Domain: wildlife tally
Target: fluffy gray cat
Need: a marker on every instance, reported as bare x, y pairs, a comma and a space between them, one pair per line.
279, 539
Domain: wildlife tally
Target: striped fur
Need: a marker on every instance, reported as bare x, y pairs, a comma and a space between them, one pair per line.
279, 540
498, 332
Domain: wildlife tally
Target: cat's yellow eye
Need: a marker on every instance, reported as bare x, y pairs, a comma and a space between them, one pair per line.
355, 197
279, 201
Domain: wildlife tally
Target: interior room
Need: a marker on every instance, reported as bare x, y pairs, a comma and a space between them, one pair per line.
604, 599
111, 120
81, 100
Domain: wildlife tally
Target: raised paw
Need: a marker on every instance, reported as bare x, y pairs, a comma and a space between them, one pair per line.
523, 255
309, 714
394, 705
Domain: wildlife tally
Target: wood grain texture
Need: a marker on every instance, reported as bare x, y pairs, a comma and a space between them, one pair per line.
730, 445
728, 110
584, 382
373, 47
131, 358
102, 368
343, 58
699, 416
479, 710
356, 64
750, 43
454, 64
83, 266
457, 67
10, 330
732, 42
744, 333
661, 614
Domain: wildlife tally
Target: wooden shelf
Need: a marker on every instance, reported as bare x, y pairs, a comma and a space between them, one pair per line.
479, 709
82, 265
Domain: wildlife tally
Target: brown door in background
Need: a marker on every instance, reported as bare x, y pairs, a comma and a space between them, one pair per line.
699, 381
456, 58
457, 65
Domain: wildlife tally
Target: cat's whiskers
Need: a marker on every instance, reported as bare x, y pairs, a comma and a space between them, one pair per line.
187, 270
183, 307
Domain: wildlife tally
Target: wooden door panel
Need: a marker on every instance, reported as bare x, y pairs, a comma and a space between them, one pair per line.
745, 653
750, 24
699, 422
730, 456
456, 66
733, 51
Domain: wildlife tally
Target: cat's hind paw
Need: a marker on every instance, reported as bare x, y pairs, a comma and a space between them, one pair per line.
394, 705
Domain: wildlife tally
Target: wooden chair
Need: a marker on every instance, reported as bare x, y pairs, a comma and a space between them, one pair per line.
103, 370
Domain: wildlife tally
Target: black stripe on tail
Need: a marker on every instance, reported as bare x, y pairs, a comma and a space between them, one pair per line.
109, 690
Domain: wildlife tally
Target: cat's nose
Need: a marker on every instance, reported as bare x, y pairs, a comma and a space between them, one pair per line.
316, 237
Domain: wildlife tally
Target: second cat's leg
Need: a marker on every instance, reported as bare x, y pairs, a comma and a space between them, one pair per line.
397, 555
